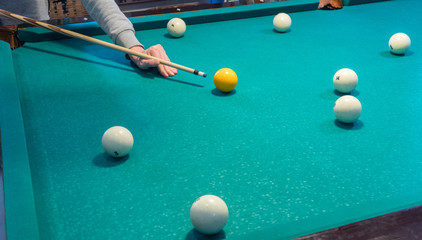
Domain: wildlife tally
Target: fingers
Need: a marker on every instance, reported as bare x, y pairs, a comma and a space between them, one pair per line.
159, 52
169, 71
147, 63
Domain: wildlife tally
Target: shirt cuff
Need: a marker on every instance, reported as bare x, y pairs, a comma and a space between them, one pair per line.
127, 39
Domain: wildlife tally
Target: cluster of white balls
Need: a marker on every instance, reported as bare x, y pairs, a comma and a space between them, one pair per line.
347, 108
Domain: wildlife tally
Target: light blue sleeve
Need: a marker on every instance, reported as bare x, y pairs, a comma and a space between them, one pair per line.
112, 21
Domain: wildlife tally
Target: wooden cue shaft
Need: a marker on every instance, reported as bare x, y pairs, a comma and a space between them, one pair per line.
97, 41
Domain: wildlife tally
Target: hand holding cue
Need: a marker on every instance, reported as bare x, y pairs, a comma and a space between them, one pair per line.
97, 41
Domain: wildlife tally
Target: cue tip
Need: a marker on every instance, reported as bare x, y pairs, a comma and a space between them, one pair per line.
199, 73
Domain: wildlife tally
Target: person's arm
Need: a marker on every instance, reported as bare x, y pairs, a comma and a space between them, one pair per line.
108, 15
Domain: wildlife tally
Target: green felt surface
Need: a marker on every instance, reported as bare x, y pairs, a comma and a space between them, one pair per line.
19, 197
272, 149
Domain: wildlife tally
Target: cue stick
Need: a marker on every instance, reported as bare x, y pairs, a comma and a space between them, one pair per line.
97, 41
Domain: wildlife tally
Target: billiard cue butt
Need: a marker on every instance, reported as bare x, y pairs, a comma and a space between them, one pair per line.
97, 41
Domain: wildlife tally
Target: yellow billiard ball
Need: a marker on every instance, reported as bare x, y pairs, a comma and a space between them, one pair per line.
225, 80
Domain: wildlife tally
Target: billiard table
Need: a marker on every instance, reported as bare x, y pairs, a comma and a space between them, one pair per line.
271, 149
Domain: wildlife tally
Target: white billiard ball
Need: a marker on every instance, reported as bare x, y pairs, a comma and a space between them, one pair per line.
209, 214
345, 80
176, 27
399, 43
347, 109
117, 141
282, 22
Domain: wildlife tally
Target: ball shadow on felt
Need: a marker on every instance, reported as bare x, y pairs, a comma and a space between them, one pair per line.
219, 93
105, 161
195, 235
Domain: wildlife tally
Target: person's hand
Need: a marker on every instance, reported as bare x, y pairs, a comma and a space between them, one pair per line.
330, 4
155, 51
